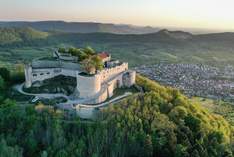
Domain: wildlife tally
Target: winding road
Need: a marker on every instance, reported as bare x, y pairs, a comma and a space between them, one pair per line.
69, 104
19, 88
78, 103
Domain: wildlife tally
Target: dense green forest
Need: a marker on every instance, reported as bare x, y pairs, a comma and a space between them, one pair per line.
158, 122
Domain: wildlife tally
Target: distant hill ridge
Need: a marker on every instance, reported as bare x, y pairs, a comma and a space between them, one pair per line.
176, 34
137, 49
21, 33
13, 35
80, 27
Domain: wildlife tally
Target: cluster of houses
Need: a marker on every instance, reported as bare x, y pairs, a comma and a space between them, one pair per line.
194, 79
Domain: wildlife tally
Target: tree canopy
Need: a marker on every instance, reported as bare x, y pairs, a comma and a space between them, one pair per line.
92, 64
2, 87
159, 122
87, 56
5, 74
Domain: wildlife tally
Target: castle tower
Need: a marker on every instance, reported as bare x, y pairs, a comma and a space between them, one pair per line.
28, 76
88, 86
129, 78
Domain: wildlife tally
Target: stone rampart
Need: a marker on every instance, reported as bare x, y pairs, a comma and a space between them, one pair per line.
88, 86
111, 72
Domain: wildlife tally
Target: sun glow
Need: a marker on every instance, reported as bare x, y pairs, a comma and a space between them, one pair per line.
216, 14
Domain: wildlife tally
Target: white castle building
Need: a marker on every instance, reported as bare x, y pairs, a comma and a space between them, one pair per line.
93, 89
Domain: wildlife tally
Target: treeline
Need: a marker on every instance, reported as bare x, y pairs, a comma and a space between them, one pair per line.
160, 122
80, 53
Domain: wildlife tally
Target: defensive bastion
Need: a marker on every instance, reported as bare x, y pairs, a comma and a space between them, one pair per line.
94, 88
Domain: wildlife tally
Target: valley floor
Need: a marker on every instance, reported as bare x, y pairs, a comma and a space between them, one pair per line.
194, 79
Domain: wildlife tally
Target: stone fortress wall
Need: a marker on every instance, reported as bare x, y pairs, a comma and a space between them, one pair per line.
111, 72
93, 88
88, 86
42, 70
124, 79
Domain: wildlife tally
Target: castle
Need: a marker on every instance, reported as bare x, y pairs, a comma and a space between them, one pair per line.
92, 89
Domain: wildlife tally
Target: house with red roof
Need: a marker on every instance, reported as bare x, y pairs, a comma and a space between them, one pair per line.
105, 56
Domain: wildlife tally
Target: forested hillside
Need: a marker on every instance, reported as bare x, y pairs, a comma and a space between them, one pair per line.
159, 122
10, 36
163, 46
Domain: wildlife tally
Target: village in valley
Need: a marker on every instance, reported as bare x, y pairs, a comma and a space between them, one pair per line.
194, 79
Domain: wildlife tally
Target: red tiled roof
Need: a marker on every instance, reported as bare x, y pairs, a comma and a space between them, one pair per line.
103, 55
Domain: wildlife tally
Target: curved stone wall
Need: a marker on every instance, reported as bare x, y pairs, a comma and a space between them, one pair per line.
88, 86
28, 76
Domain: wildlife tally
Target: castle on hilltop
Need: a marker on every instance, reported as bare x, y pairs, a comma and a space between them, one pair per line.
91, 88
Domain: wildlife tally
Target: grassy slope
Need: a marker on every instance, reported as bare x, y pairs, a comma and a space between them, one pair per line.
218, 107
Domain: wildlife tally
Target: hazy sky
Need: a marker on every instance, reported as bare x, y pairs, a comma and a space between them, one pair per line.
216, 14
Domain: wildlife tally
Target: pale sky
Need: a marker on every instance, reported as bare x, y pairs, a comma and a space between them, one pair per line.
214, 14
